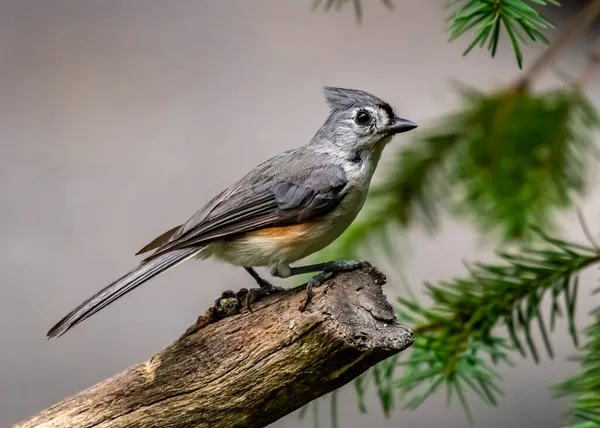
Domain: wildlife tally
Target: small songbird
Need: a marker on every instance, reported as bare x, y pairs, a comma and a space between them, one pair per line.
284, 210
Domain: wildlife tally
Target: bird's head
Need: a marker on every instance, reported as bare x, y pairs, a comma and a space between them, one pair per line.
359, 120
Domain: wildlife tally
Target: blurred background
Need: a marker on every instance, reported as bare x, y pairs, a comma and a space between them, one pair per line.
120, 119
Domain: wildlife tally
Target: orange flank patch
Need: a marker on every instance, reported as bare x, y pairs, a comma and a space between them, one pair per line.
283, 234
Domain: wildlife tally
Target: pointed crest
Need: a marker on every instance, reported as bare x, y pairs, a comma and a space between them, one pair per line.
341, 98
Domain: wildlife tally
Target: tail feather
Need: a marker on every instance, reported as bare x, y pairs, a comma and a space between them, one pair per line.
134, 278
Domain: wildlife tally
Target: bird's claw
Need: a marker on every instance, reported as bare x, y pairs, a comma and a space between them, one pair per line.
329, 270
255, 293
315, 282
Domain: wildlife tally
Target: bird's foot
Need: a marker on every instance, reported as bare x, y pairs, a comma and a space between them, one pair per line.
264, 289
329, 269
315, 282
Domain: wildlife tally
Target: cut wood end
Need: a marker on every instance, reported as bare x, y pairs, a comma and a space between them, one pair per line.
367, 294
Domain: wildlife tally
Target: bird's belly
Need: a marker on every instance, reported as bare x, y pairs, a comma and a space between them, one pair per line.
287, 244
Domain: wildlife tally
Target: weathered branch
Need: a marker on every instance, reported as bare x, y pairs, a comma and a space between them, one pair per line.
250, 369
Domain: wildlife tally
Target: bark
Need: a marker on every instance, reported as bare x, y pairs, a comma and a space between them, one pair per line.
247, 369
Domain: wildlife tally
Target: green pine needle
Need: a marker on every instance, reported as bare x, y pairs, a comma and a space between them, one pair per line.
360, 385
482, 18
485, 18
456, 346
522, 157
385, 391
585, 386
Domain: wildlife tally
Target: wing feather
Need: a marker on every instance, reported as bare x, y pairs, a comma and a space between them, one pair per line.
260, 204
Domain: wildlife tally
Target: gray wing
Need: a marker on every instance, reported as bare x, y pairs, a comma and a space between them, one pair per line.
283, 191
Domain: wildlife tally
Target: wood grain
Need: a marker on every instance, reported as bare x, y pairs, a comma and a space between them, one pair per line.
248, 369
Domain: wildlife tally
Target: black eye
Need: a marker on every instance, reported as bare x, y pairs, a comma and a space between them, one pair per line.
362, 118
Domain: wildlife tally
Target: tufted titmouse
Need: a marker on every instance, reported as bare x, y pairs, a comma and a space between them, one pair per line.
285, 209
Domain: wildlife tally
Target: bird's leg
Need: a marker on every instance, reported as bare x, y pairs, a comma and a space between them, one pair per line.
263, 283
327, 269
333, 266
265, 287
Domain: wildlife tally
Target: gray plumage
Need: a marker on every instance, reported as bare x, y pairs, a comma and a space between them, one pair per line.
293, 187
313, 193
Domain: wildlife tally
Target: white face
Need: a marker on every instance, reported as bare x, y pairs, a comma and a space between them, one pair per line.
368, 124
359, 122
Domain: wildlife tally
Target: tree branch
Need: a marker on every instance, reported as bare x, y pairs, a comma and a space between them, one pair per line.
580, 22
250, 369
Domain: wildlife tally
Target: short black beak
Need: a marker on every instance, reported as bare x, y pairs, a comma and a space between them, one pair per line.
400, 125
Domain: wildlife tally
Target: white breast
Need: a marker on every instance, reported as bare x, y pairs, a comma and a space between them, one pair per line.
268, 250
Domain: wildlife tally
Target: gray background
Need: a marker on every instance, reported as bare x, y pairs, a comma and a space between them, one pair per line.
118, 119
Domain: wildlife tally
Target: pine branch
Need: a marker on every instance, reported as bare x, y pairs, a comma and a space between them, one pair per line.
590, 67
585, 386
523, 158
575, 28
456, 346
487, 19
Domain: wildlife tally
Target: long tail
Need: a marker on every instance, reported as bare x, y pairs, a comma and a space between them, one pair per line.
142, 273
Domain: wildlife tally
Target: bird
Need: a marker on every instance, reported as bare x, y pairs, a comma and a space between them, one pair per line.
285, 209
